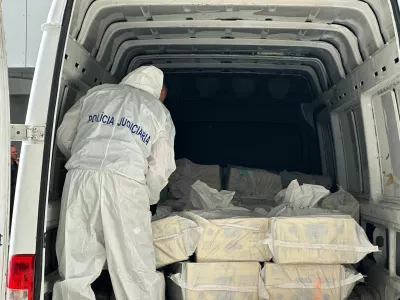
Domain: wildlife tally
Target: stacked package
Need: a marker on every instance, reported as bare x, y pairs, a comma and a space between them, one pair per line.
231, 235
253, 182
308, 282
318, 239
215, 281
308, 234
174, 239
187, 173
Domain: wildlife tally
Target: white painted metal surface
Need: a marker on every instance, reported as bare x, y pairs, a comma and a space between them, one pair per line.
22, 21
4, 159
107, 45
186, 61
28, 184
323, 51
22, 132
105, 28
81, 68
355, 15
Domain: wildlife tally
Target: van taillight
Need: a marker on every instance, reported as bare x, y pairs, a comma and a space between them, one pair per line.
20, 277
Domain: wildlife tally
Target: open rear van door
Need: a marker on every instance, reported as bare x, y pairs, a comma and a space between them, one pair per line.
4, 158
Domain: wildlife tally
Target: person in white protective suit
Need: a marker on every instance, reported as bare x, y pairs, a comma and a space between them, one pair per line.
120, 143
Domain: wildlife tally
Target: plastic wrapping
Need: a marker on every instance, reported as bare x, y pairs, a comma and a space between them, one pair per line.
215, 281
253, 182
175, 239
287, 210
231, 235
288, 177
254, 204
187, 173
204, 197
299, 200
163, 211
309, 282
161, 294
176, 204
305, 195
342, 201
318, 240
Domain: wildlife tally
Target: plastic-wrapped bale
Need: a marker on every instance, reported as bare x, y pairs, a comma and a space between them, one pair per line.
175, 239
253, 182
231, 235
215, 281
254, 204
287, 177
336, 239
204, 197
309, 282
342, 201
187, 173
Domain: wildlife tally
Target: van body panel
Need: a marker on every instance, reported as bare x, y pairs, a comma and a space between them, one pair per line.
4, 158
28, 184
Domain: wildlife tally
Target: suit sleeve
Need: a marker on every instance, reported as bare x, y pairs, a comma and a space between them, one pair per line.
67, 131
161, 161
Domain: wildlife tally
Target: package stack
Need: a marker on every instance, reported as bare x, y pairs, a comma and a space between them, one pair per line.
309, 251
227, 256
297, 251
230, 250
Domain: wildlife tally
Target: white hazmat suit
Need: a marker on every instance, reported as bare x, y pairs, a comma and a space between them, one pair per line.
120, 143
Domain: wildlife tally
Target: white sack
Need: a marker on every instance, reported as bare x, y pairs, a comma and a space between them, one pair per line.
309, 282
231, 235
287, 177
253, 182
342, 201
204, 197
305, 195
318, 240
174, 239
215, 281
187, 173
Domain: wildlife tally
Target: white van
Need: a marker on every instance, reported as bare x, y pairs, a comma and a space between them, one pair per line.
311, 86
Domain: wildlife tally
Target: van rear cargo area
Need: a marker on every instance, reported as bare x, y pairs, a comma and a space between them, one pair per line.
244, 119
287, 90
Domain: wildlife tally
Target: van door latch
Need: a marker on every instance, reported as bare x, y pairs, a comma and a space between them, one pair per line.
22, 132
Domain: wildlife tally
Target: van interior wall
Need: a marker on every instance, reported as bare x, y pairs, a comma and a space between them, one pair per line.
250, 120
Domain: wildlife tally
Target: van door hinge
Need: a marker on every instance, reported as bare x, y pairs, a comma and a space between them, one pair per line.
22, 132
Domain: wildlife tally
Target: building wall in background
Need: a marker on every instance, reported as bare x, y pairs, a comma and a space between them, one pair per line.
22, 23
18, 107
